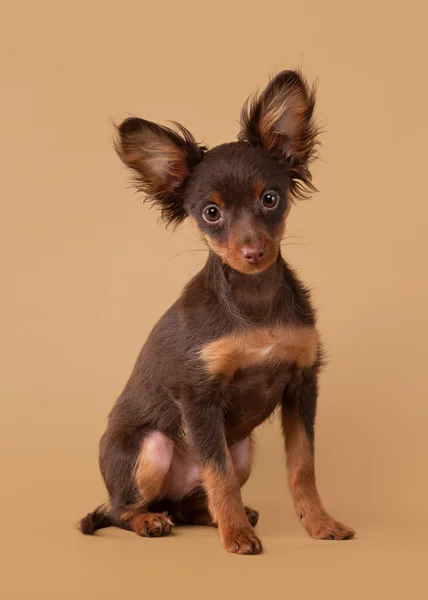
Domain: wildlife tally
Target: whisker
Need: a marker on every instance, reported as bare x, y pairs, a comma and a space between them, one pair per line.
299, 230
299, 237
184, 251
296, 244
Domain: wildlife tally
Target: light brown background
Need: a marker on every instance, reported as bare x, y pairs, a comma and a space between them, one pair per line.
86, 271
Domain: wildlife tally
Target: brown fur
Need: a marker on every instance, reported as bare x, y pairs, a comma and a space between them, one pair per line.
281, 120
159, 160
293, 104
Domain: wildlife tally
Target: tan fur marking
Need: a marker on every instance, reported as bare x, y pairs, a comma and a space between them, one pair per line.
230, 251
149, 479
221, 250
227, 510
217, 199
224, 498
241, 349
259, 188
150, 524
301, 472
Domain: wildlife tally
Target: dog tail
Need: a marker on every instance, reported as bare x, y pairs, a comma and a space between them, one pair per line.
98, 519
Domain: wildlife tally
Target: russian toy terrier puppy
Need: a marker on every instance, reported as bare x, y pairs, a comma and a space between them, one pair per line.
240, 341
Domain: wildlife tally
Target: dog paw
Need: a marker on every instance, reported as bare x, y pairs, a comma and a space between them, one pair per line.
252, 515
152, 525
242, 542
326, 528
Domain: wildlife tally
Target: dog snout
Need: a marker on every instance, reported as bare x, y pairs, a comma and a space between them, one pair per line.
254, 254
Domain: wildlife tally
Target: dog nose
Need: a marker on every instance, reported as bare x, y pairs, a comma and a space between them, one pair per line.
253, 254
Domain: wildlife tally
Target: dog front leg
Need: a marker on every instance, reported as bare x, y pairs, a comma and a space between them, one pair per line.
298, 421
205, 427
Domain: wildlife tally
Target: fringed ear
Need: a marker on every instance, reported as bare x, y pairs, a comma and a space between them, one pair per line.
280, 119
161, 159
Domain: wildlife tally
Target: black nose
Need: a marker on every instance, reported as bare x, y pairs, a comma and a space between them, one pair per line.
253, 254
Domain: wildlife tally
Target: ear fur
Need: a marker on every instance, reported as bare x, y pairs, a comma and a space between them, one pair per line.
280, 119
161, 160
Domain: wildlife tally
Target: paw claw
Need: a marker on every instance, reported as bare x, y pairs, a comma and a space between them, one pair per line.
243, 542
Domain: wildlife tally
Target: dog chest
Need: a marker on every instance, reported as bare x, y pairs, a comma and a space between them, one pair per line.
260, 346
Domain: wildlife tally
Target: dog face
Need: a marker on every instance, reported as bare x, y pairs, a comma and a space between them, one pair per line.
238, 194
238, 200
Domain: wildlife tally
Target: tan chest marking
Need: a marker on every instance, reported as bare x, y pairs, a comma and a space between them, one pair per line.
261, 345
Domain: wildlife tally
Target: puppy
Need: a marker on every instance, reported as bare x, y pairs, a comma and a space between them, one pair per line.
239, 342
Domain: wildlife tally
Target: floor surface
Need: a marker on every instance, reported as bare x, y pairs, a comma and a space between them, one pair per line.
387, 560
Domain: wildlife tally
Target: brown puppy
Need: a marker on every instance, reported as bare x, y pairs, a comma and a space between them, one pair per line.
240, 341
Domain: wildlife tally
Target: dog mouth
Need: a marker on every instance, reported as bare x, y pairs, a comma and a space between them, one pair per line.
252, 262
248, 259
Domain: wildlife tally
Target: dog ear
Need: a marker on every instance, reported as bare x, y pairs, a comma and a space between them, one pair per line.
280, 119
161, 160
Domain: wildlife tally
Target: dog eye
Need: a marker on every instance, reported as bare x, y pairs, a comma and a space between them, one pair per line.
270, 199
212, 213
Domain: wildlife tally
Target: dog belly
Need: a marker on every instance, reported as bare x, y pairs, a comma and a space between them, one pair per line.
185, 470
184, 475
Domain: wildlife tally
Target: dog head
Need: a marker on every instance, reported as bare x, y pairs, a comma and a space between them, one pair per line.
237, 194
